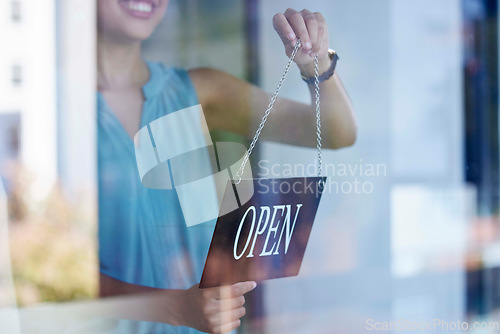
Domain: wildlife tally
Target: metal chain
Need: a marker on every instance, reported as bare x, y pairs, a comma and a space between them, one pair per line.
318, 115
271, 105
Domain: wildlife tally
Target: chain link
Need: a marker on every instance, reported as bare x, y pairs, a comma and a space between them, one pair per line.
271, 105
318, 115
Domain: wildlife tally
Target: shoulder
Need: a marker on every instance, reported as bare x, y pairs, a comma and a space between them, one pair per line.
198, 76
164, 73
214, 86
206, 75
207, 79
226, 99
171, 81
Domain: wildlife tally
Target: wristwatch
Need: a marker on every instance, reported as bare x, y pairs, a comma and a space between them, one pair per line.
328, 73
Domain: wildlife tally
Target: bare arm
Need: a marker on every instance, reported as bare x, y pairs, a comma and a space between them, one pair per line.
213, 310
234, 105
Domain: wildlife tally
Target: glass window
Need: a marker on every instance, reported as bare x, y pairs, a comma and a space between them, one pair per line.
17, 75
16, 10
132, 116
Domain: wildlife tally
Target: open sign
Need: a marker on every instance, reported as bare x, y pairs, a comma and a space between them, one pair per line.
265, 237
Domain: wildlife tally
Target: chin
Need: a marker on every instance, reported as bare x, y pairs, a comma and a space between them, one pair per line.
134, 32
129, 20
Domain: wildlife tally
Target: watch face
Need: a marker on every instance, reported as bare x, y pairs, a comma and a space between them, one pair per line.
332, 53
334, 57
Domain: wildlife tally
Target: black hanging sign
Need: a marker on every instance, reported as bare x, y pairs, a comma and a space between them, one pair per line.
266, 237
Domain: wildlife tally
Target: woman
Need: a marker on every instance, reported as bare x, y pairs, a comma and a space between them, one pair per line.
144, 244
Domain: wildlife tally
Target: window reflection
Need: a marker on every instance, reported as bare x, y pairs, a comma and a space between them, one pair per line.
416, 242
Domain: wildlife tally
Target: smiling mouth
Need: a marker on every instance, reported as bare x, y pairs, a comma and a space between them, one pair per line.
142, 9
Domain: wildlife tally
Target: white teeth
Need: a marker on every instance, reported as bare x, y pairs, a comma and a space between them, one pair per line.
140, 6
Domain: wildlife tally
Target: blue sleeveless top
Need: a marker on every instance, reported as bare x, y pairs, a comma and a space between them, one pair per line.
143, 238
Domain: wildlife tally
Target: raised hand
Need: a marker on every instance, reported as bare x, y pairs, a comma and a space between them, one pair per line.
309, 27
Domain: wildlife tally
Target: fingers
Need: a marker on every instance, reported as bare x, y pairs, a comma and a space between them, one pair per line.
224, 306
217, 292
226, 319
219, 309
283, 28
239, 289
223, 325
231, 303
230, 291
309, 27
321, 31
218, 321
228, 327
312, 28
232, 315
298, 25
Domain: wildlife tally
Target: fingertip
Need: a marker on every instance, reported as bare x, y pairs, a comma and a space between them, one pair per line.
245, 286
230, 326
291, 36
241, 283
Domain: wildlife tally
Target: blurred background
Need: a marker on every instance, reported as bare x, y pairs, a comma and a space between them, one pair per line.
421, 240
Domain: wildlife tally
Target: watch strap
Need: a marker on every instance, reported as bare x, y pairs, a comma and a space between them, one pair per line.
328, 73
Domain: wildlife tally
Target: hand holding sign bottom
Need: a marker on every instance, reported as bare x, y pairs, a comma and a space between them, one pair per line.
214, 310
265, 237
